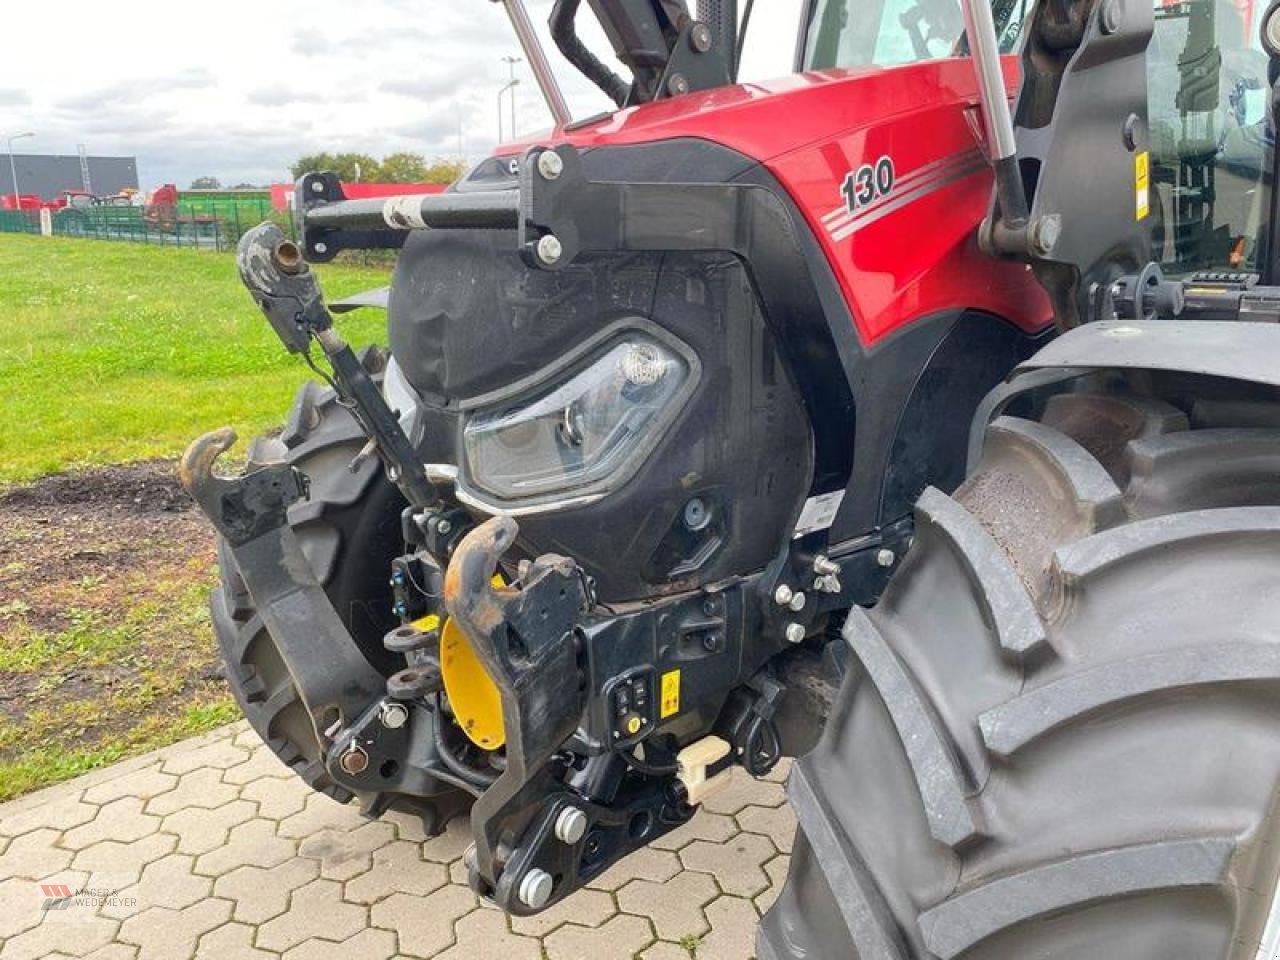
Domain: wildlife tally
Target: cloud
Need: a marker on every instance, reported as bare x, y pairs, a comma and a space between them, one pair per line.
138, 88
279, 95
13, 97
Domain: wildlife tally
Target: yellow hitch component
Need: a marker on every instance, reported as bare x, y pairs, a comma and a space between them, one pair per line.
477, 705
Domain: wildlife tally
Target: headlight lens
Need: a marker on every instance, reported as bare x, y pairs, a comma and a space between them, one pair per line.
582, 431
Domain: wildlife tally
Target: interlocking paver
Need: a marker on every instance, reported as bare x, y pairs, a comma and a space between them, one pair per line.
144, 784
166, 882
777, 870
424, 924
61, 814
674, 907
397, 867
199, 830
715, 827
229, 856
199, 788
121, 820
743, 791
262, 893
368, 944
483, 935
34, 856
736, 864
163, 934
277, 799
124, 862
621, 938
315, 910
231, 941
645, 864
776, 823
344, 854
73, 937
586, 908
253, 841
733, 930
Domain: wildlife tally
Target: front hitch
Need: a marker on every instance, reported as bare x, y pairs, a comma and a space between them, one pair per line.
525, 636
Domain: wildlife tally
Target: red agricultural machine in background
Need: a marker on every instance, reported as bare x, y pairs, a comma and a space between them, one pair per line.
849, 416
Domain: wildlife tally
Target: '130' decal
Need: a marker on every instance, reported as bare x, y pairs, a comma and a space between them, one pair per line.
867, 184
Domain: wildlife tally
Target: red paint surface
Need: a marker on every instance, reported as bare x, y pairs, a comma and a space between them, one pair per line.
811, 129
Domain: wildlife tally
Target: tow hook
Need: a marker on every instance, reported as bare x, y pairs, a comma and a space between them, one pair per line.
525, 636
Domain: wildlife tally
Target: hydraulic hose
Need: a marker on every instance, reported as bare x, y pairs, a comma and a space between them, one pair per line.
576, 52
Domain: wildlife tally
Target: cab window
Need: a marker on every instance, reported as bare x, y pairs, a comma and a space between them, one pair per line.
857, 33
1211, 144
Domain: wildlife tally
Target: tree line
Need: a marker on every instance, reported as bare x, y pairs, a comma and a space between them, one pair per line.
403, 167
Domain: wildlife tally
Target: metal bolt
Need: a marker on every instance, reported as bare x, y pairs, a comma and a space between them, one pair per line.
1045, 232
795, 633
550, 165
782, 596
886, 557
700, 37
550, 250
317, 186
1112, 13
355, 761
394, 715
444, 527
535, 888
677, 84
798, 600
696, 514
571, 825
321, 248
825, 566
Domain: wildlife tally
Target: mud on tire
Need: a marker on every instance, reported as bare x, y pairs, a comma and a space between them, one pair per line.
1060, 733
349, 530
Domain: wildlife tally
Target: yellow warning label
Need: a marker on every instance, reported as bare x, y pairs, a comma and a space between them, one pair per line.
670, 694
1142, 184
428, 623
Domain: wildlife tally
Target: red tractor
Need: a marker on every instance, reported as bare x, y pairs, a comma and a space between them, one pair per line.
851, 417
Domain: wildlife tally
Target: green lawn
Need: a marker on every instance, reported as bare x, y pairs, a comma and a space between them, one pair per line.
109, 353
116, 351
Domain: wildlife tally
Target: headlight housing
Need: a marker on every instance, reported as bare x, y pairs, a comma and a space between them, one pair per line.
588, 429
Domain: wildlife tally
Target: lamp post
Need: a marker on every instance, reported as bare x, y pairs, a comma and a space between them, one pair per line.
13, 168
510, 85
511, 68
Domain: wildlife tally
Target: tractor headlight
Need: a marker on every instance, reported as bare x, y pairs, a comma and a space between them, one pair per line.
585, 432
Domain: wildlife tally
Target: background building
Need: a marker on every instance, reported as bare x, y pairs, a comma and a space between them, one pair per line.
48, 174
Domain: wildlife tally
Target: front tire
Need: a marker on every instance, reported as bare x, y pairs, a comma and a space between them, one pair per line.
349, 530
1060, 735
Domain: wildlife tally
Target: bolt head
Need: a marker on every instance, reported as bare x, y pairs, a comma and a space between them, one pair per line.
355, 761
678, 84
700, 37
795, 633
798, 600
1045, 233
322, 248
886, 557
317, 186
550, 164
535, 889
444, 528
550, 250
571, 825
394, 715
782, 596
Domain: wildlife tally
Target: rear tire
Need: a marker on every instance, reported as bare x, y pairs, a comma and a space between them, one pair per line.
349, 530
1059, 737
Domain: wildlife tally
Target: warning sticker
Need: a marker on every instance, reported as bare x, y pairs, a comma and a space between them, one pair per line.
1142, 184
670, 702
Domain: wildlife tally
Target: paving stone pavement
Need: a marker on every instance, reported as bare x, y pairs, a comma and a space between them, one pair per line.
213, 849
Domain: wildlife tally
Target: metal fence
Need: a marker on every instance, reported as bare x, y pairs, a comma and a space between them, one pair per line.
219, 227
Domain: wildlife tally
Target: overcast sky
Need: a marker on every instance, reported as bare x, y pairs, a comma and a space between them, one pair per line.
244, 89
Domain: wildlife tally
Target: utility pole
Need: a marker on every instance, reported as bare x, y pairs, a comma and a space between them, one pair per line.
13, 168
85, 181
512, 81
